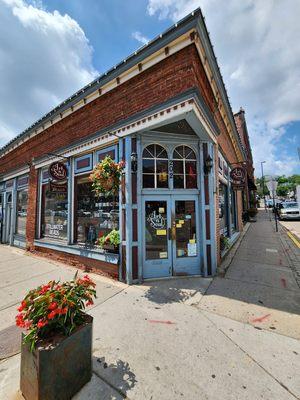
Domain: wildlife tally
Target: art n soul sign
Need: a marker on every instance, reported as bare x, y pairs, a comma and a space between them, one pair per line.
238, 177
58, 171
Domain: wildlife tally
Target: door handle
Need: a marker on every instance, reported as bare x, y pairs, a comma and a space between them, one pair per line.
172, 233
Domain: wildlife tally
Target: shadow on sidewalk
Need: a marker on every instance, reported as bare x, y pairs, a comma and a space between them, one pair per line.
258, 274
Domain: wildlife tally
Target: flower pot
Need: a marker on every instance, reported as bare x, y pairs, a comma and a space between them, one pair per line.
110, 248
57, 368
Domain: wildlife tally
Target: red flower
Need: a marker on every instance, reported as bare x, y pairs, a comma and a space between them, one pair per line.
52, 306
41, 323
45, 289
89, 303
52, 314
20, 321
22, 306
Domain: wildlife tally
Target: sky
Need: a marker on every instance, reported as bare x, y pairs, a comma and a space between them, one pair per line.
51, 48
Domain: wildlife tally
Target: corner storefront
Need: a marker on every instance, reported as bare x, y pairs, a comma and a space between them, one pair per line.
178, 145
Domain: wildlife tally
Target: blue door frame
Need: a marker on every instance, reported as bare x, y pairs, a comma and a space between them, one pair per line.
160, 227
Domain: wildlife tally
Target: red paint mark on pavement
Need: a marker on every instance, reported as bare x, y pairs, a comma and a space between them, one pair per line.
261, 319
154, 321
283, 282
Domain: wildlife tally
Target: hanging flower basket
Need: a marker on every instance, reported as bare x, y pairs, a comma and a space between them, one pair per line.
106, 177
56, 351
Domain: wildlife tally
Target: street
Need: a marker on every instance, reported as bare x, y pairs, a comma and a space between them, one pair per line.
232, 337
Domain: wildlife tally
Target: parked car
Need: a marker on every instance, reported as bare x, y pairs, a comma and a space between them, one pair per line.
289, 210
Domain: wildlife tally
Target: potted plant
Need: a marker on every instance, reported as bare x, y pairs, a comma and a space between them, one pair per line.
56, 350
224, 243
110, 242
106, 177
252, 214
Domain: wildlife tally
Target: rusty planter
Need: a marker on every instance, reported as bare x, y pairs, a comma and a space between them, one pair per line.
60, 370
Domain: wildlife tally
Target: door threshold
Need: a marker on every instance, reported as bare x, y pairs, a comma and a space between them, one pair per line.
164, 278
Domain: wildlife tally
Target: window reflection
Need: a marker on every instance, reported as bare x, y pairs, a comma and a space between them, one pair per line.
185, 168
55, 210
96, 216
22, 200
155, 167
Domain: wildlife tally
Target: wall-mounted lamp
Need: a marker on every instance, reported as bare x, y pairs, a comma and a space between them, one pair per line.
208, 164
133, 159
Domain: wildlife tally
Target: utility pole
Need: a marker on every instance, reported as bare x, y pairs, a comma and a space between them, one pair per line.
263, 183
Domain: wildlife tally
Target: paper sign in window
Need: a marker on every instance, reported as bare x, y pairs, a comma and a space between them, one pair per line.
161, 232
163, 254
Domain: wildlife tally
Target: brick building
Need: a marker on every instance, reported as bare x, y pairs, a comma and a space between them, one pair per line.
164, 110
248, 194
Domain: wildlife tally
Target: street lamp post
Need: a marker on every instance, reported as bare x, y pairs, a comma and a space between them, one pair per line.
263, 183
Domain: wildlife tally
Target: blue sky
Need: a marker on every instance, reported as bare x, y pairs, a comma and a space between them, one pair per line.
51, 48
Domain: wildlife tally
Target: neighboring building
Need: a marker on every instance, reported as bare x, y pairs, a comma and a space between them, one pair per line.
249, 198
164, 107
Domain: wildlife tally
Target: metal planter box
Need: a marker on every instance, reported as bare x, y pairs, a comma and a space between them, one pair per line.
58, 371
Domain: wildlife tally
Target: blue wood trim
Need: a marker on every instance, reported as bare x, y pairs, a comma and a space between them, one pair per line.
78, 251
106, 150
84, 169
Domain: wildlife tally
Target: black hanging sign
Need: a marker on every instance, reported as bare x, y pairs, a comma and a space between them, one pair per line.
58, 171
238, 178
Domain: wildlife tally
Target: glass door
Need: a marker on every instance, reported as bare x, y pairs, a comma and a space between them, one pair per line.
157, 246
185, 235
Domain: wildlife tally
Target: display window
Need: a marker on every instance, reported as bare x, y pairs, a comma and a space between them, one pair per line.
223, 209
54, 215
233, 219
21, 217
94, 216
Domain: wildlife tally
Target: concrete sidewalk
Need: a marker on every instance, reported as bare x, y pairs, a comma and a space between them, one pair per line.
191, 338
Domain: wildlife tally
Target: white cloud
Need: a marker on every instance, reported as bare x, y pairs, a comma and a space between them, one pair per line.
257, 45
44, 58
140, 38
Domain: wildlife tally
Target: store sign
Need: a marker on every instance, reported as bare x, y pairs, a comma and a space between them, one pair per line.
58, 171
238, 178
54, 188
54, 230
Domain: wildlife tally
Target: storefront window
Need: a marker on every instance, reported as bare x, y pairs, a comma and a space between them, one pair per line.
22, 201
223, 209
95, 216
184, 168
233, 210
155, 167
55, 210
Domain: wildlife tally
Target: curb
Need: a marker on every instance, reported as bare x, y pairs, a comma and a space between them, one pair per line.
231, 252
292, 236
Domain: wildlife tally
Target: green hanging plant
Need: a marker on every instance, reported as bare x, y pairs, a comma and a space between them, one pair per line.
106, 177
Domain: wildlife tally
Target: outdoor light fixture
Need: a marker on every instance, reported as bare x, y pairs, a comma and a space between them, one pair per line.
208, 164
133, 159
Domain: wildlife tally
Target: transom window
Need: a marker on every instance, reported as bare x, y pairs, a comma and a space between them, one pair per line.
155, 167
184, 168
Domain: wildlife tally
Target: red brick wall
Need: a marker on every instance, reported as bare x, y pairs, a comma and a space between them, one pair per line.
84, 263
153, 86
32, 207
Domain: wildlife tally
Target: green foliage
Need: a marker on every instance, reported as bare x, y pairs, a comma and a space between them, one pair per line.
287, 184
55, 308
113, 238
106, 177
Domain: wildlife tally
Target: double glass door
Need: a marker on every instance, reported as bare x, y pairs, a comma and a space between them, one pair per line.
171, 244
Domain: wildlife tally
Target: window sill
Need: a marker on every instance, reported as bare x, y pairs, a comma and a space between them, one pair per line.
79, 251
